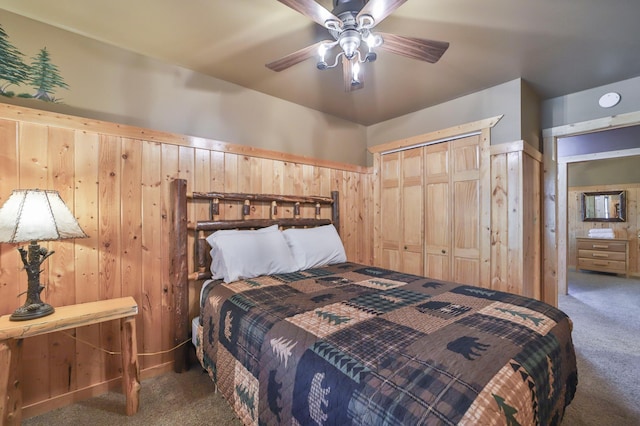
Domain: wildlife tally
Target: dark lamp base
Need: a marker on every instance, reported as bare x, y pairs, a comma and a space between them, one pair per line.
32, 311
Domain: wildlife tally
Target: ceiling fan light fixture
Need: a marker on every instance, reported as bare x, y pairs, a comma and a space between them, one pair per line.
366, 21
350, 42
355, 76
350, 23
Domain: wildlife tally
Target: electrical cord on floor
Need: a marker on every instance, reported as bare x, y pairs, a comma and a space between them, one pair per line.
120, 353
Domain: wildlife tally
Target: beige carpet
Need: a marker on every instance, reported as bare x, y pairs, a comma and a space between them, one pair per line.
168, 400
606, 313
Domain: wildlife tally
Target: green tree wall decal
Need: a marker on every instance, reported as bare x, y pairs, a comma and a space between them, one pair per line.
44, 76
12, 69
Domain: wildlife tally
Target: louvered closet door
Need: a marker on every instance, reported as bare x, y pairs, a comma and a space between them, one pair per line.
401, 210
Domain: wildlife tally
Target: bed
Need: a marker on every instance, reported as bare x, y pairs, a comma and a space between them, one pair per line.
346, 343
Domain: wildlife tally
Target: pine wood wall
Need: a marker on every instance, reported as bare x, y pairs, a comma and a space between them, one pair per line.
116, 181
626, 230
516, 233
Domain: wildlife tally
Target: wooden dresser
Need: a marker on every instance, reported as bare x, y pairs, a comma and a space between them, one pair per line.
603, 255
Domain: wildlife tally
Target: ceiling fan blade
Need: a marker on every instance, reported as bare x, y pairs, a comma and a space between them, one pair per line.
295, 57
380, 9
412, 47
347, 73
312, 10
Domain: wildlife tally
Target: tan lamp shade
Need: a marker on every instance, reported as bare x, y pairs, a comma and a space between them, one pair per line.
37, 215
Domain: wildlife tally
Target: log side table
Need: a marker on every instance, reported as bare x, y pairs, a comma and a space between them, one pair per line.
65, 317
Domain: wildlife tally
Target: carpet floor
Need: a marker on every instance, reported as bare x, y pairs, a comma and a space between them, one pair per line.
605, 310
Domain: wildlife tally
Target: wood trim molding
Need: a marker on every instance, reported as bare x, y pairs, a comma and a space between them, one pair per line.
600, 155
517, 146
614, 121
443, 134
19, 113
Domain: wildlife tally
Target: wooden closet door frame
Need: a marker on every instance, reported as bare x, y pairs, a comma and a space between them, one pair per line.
482, 127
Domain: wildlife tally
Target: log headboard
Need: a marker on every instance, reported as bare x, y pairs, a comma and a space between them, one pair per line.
181, 229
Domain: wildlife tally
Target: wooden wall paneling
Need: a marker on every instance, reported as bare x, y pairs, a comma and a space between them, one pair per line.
366, 219
109, 180
516, 219
118, 187
150, 303
61, 266
376, 209
265, 184
307, 188
89, 360
216, 164
531, 221
277, 179
201, 183
260, 171
354, 214
187, 171
561, 222
170, 171
33, 155
550, 253
484, 181
10, 273
499, 221
131, 206
232, 210
514, 209
244, 176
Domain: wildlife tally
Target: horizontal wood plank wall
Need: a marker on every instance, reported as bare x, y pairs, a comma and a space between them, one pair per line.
116, 180
626, 230
516, 183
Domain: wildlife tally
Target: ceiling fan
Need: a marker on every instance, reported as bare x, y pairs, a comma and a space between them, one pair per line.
351, 24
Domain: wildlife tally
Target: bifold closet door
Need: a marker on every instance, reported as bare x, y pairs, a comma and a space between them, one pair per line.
452, 214
402, 213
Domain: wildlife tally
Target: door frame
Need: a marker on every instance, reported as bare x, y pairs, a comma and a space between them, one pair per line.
555, 185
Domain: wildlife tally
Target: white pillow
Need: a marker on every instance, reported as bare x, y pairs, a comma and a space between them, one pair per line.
314, 247
241, 254
218, 267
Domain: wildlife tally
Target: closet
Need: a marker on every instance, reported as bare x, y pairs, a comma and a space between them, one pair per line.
451, 206
430, 208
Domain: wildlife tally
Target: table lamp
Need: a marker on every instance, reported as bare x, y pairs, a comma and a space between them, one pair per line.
35, 215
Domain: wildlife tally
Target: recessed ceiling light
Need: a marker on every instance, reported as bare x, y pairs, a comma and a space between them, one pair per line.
609, 99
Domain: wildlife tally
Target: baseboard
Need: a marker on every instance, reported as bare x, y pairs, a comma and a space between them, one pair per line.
69, 398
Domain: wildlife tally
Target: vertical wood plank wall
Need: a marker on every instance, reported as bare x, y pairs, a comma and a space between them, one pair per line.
516, 183
627, 230
116, 180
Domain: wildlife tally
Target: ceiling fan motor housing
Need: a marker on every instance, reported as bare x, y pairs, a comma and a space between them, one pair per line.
340, 6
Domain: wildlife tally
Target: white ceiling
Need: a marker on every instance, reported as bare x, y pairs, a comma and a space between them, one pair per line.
558, 46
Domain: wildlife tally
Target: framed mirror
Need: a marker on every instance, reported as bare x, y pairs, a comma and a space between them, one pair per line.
604, 206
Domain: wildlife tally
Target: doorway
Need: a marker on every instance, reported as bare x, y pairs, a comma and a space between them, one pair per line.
555, 231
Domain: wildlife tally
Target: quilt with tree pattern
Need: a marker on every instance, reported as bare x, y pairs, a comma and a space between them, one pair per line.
353, 344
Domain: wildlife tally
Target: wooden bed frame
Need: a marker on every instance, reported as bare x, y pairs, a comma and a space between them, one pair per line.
181, 229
